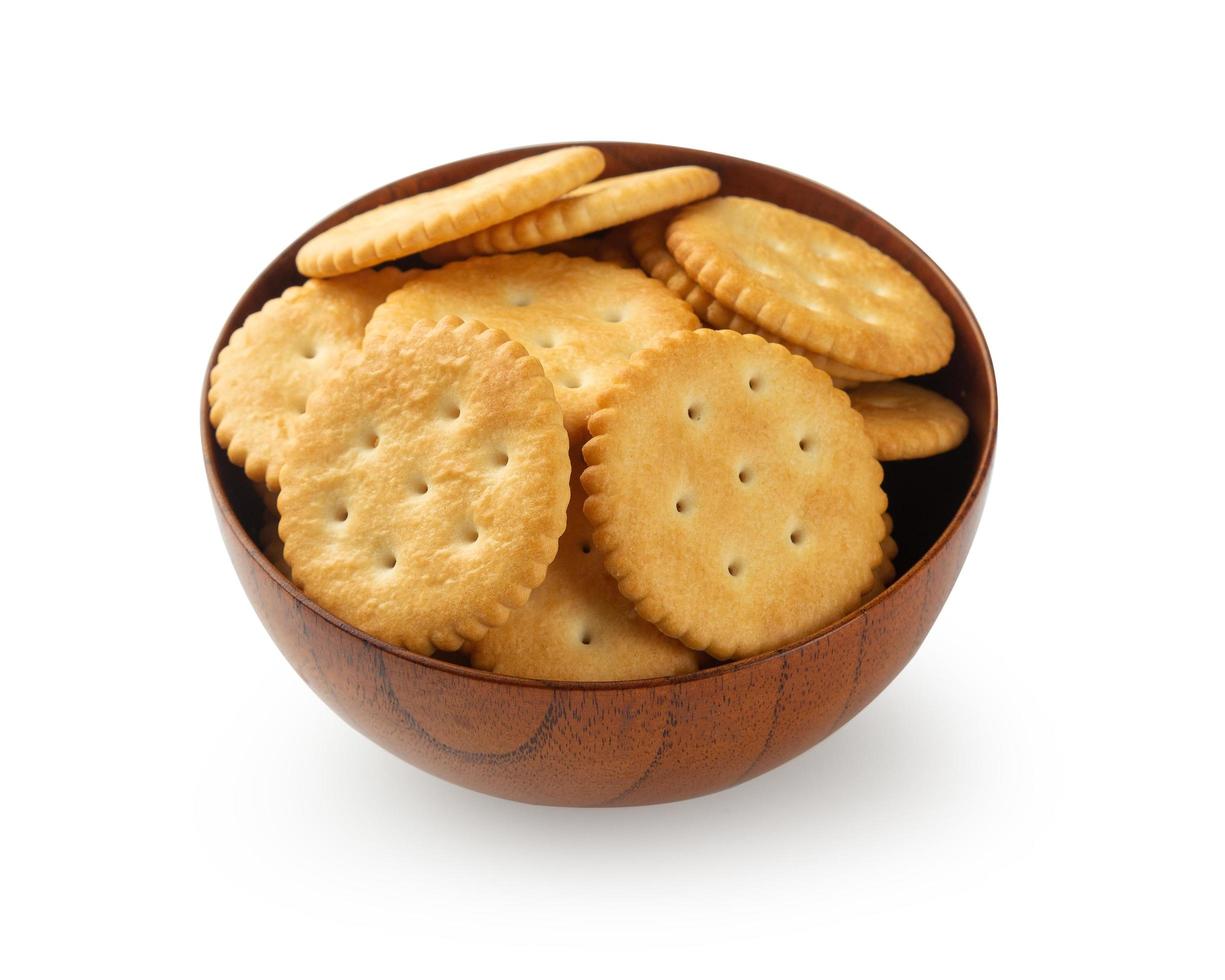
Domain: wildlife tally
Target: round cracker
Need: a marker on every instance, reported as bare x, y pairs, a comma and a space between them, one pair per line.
733, 492
647, 242
430, 218
426, 486
814, 284
577, 626
263, 376
581, 318
905, 421
592, 207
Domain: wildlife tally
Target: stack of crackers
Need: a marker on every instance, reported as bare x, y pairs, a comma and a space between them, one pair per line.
585, 429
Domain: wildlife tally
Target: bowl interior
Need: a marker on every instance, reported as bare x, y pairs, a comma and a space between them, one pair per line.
925, 496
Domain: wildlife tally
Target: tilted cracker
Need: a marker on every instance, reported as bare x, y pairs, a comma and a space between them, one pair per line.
581, 318
413, 224
577, 626
882, 577
884, 573
426, 486
818, 286
647, 241
905, 421
263, 376
733, 492
600, 204
606, 248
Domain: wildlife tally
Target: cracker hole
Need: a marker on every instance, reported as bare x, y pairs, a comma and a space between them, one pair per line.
388, 560
309, 352
683, 506
755, 383
500, 458
585, 638
340, 513
585, 547
449, 410
370, 440
546, 342
520, 299
419, 487
695, 412
735, 567
797, 536
745, 475
469, 534
613, 316
808, 445
571, 382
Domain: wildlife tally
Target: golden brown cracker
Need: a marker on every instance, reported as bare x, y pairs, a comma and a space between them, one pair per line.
413, 224
577, 626
733, 492
812, 283
647, 241
273, 362
592, 207
905, 421
425, 488
582, 319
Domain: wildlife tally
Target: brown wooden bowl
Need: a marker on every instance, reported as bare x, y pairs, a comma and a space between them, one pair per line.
616, 743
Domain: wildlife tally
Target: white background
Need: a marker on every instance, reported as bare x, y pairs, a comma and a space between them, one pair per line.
1039, 792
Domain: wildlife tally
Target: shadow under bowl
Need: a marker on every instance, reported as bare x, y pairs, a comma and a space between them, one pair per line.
619, 743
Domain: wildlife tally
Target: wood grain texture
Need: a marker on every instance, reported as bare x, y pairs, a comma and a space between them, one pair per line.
622, 743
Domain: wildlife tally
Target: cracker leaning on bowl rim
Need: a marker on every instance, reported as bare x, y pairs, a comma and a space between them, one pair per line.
413, 224
426, 486
905, 421
733, 492
272, 363
581, 318
648, 243
592, 207
815, 284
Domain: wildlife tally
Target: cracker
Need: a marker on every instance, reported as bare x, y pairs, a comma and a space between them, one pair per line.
647, 242
611, 247
733, 493
577, 626
262, 378
582, 319
812, 283
426, 486
905, 421
413, 224
884, 573
592, 207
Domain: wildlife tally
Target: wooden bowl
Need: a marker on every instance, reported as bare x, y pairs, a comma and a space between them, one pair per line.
617, 743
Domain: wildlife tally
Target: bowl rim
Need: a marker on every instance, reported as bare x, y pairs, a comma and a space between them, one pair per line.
978, 482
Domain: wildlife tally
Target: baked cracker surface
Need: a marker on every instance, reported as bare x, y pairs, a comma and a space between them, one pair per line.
426, 487
733, 492
813, 284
